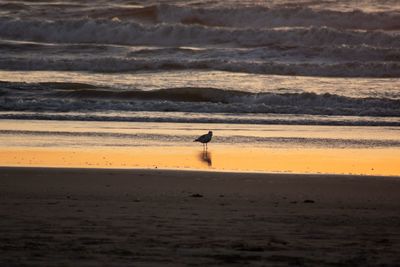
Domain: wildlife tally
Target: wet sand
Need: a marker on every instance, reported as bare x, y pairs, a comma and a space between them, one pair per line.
94, 217
382, 162
240, 148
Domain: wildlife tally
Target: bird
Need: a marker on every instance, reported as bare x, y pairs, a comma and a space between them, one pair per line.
205, 138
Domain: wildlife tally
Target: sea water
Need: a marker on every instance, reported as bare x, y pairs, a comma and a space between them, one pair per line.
245, 63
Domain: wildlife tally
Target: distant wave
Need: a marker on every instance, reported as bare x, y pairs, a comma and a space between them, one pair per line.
278, 16
234, 16
45, 86
285, 39
55, 51
80, 97
344, 53
215, 95
332, 60
133, 33
118, 64
13, 6
149, 14
32, 86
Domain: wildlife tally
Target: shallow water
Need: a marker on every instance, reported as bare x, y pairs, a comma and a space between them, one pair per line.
264, 148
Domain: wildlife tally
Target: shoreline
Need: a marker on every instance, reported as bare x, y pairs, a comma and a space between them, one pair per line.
235, 148
198, 171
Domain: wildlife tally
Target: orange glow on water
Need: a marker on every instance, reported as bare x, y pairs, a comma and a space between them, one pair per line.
152, 145
334, 161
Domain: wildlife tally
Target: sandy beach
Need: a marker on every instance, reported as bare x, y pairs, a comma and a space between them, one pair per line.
94, 217
103, 105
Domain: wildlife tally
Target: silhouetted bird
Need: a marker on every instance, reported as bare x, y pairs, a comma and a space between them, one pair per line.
204, 139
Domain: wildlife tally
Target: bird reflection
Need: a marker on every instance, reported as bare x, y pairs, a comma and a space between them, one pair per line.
205, 157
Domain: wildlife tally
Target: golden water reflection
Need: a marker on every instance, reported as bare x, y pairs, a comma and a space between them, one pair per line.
309, 160
205, 157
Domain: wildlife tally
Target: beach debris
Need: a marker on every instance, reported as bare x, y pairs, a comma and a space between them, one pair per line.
308, 201
196, 195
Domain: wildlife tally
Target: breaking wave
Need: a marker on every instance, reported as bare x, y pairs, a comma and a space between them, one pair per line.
234, 16
80, 97
104, 31
117, 64
278, 16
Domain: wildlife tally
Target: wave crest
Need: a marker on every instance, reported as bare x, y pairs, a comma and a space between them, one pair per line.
117, 64
133, 33
278, 16
200, 100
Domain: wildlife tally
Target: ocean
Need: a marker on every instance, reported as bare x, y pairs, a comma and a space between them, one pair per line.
258, 62
235, 67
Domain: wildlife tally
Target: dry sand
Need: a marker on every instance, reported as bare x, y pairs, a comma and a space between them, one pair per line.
76, 217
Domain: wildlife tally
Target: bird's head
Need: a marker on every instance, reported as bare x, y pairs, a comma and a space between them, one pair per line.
210, 132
